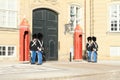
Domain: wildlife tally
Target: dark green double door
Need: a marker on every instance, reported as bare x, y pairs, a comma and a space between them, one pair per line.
45, 21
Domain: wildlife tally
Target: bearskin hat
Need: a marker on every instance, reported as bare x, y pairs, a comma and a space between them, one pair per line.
94, 38
89, 38
34, 36
40, 36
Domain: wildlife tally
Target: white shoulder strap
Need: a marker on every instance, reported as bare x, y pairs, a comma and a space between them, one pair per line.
41, 43
34, 43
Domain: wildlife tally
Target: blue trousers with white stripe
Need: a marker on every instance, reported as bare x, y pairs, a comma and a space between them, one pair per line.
39, 54
33, 57
94, 56
89, 56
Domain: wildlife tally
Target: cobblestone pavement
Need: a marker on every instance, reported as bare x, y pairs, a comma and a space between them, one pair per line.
102, 76
24, 68
61, 71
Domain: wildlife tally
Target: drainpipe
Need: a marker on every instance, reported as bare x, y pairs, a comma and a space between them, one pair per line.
85, 22
90, 17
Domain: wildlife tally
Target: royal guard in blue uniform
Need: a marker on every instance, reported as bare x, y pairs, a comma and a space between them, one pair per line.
94, 50
33, 48
40, 48
89, 48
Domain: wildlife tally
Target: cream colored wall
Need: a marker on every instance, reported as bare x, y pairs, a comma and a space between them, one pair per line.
100, 27
10, 37
105, 38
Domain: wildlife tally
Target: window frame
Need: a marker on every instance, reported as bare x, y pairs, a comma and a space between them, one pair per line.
111, 19
6, 50
9, 23
76, 17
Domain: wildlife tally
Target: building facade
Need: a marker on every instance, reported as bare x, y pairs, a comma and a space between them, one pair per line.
56, 20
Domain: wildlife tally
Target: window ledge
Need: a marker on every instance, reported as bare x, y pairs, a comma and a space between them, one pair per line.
114, 33
9, 29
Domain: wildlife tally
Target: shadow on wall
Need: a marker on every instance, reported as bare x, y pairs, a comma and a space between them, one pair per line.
85, 55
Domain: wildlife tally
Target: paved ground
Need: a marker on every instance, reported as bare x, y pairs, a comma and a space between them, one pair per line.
103, 70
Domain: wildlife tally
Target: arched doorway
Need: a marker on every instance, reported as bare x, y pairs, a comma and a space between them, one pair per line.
45, 21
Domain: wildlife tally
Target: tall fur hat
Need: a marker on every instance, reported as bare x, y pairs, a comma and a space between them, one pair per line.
40, 36
89, 38
94, 38
34, 36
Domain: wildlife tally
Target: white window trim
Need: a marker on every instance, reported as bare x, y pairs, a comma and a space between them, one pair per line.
115, 51
80, 22
109, 18
6, 55
16, 24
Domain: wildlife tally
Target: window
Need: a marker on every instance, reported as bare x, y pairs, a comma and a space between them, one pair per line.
7, 50
8, 13
115, 18
114, 51
10, 51
75, 16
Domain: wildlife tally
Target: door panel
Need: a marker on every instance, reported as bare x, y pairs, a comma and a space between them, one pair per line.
45, 21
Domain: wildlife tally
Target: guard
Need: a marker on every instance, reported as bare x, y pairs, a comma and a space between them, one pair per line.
89, 48
94, 50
